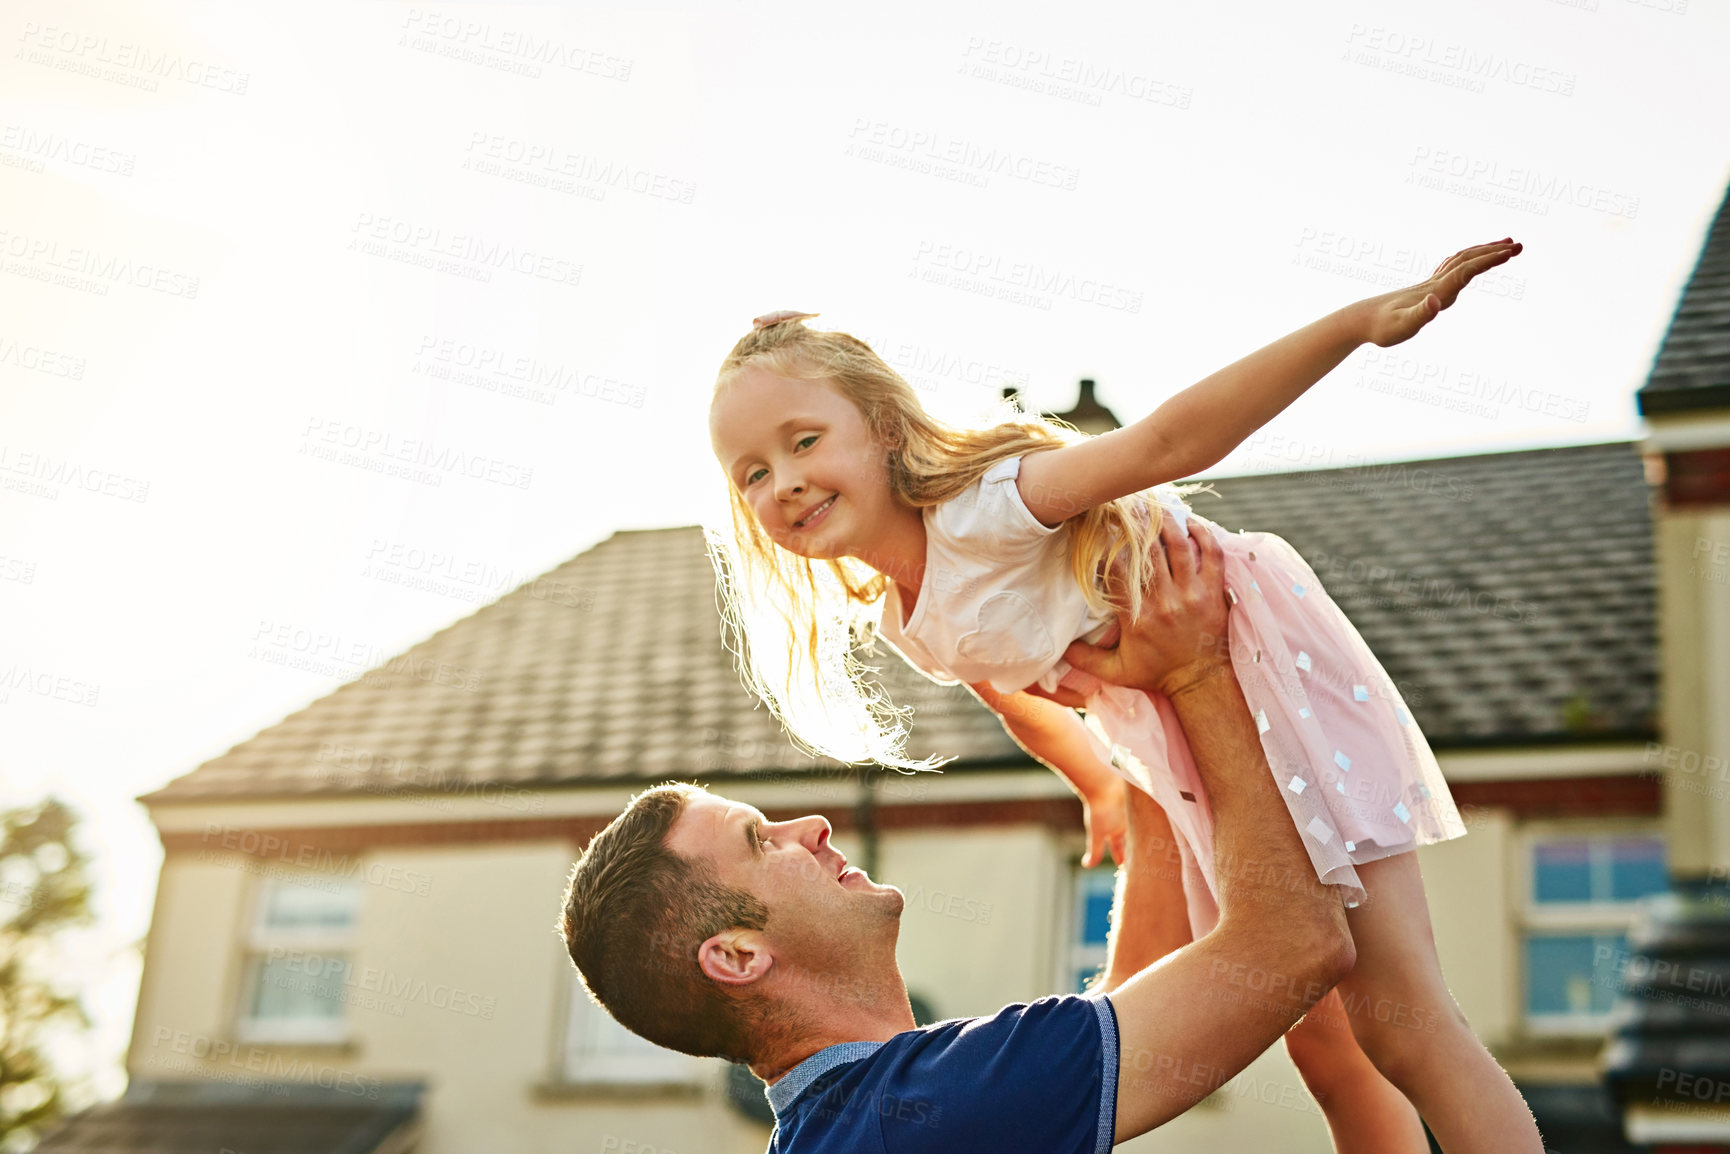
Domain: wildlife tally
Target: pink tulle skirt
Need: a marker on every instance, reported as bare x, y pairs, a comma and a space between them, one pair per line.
1355, 771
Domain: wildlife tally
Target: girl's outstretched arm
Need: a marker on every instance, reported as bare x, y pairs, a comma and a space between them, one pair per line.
1199, 426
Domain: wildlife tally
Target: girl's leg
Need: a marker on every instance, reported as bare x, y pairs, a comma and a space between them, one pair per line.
1366, 1114
1151, 883
1409, 1025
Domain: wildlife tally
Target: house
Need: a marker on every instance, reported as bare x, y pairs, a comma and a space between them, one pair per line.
353, 943
1668, 1064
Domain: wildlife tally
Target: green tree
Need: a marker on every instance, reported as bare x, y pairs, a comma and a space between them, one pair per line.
44, 889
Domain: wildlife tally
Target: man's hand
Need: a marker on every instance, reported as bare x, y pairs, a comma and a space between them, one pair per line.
1397, 316
1178, 641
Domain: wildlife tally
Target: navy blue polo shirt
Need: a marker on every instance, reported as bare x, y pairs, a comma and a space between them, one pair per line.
1039, 1077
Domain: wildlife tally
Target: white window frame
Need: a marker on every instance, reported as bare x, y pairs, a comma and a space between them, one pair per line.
582, 1058
1571, 918
259, 940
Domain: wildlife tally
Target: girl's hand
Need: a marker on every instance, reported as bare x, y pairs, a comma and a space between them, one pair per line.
1105, 813
1397, 316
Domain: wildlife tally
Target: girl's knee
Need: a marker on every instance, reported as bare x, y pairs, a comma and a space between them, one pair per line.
1408, 1042
1324, 1051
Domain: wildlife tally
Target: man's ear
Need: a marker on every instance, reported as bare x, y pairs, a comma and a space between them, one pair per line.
735, 957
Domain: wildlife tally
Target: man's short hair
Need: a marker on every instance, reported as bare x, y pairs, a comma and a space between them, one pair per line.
635, 913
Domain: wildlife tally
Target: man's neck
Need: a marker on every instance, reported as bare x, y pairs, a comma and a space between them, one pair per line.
824, 1023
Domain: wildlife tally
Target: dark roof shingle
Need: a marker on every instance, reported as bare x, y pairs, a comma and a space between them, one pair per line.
257, 1118
1692, 369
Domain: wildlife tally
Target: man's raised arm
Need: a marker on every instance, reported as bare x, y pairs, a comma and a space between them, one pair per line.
1200, 1015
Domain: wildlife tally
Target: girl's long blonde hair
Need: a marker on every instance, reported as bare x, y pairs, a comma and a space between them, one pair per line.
795, 625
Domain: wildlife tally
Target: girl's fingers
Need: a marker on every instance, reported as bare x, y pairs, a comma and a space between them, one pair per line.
1210, 558
1174, 543
1496, 250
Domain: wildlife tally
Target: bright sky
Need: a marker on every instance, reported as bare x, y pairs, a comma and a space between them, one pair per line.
270, 275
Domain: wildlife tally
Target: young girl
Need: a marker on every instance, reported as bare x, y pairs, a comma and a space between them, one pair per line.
981, 553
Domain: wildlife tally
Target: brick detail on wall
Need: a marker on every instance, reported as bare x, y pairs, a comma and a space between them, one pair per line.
1618, 795
1697, 478
300, 845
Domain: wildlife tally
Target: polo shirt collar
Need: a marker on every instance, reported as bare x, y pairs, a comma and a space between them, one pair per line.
785, 1092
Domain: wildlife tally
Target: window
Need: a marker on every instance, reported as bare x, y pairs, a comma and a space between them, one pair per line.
599, 1051
299, 957
1094, 889
1581, 895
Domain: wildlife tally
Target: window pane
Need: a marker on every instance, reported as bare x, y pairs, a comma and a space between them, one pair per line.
299, 987
1573, 974
1562, 872
598, 1049
1637, 868
1094, 889
316, 904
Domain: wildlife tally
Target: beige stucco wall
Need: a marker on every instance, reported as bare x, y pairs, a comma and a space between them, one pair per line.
479, 977
1467, 882
981, 904
1693, 556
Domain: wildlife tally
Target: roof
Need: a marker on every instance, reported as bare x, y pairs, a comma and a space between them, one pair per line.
1692, 370
257, 1118
1510, 595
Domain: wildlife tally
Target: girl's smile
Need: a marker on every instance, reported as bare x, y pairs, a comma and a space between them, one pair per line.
812, 519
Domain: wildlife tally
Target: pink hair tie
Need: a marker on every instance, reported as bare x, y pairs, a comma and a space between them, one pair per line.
776, 318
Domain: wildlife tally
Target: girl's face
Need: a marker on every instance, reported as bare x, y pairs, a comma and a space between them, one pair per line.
801, 456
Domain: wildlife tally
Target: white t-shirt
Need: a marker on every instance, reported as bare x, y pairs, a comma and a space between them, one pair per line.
998, 602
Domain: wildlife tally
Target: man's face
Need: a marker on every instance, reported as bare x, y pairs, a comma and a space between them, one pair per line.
823, 913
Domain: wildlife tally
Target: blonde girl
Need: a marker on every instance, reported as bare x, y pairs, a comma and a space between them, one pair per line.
980, 554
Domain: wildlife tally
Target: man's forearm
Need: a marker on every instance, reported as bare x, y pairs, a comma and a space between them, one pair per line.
1258, 853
